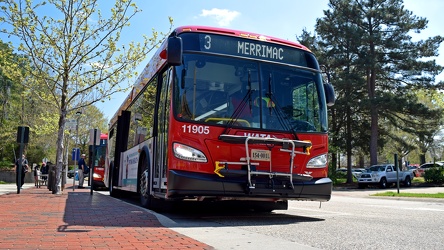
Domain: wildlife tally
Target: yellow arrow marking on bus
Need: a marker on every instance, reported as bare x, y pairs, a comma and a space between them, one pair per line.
218, 168
308, 148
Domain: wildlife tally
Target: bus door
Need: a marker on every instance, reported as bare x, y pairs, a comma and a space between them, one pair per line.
161, 149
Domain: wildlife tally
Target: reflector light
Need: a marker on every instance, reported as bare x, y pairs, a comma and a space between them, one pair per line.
163, 54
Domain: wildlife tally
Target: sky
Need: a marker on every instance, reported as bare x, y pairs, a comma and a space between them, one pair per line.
280, 18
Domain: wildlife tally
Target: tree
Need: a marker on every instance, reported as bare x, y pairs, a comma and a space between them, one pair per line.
428, 131
76, 59
369, 49
11, 99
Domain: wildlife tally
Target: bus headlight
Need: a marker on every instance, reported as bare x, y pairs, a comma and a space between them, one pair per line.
318, 162
188, 153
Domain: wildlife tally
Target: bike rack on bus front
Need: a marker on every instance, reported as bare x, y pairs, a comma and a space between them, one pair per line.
287, 145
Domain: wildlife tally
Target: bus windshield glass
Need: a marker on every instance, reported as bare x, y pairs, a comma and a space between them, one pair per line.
242, 93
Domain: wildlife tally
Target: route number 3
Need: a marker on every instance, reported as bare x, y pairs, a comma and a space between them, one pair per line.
207, 44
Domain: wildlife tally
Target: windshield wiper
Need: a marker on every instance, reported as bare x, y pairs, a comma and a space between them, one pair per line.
240, 108
283, 121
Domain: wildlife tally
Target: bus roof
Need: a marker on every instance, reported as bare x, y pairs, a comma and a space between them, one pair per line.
156, 62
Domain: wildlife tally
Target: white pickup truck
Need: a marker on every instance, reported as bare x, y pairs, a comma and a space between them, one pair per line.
384, 175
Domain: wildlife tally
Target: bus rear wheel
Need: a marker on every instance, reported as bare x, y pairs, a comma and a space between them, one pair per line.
144, 182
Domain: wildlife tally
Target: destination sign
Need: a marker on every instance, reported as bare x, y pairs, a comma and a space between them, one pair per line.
246, 48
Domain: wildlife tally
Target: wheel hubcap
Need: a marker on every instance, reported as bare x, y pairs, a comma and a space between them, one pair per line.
143, 183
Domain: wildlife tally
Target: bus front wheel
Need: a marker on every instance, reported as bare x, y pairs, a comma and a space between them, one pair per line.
144, 181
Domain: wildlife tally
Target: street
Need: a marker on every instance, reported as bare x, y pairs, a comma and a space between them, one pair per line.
350, 220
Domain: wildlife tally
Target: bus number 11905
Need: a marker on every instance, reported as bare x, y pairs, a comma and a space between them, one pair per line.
196, 129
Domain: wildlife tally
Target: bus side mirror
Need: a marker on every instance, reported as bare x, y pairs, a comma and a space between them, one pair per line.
174, 51
329, 94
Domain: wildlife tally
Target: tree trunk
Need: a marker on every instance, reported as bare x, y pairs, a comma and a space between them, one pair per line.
59, 155
422, 159
349, 146
361, 162
374, 134
334, 161
334, 153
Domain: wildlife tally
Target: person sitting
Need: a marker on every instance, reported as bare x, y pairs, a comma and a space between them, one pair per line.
44, 171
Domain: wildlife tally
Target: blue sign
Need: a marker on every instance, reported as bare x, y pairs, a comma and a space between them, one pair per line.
75, 154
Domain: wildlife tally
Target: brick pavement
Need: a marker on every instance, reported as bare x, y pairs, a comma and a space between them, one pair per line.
38, 219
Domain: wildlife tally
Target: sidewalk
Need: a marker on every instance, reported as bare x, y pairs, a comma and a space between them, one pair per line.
38, 219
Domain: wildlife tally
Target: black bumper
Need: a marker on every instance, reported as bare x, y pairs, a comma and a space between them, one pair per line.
182, 184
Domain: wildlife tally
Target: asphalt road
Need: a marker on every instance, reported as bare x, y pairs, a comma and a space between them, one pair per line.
352, 219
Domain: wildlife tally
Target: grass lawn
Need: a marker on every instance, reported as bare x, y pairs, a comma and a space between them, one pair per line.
417, 181
417, 195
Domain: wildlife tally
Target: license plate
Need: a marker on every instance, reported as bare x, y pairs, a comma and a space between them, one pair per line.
260, 155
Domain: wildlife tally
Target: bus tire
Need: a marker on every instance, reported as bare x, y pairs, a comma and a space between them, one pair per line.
144, 180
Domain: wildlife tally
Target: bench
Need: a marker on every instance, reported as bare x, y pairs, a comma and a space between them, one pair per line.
42, 180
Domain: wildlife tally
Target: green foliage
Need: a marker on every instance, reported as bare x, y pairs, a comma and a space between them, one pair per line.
377, 71
12, 97
434, 175
21, 108
336, 177
418, 180
76, 62
6, 165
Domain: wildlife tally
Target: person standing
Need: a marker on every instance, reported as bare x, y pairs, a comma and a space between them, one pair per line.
36, 176
24, 170
82, 167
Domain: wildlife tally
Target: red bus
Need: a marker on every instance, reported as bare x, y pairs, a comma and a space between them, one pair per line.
220, 114
97, 159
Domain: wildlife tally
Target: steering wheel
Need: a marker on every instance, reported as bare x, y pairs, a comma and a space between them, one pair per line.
300, 125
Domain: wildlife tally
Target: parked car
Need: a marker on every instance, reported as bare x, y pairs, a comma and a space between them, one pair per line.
384, 175
72, 173
413, 169
355, 171
341, 170
358, 171
426, 166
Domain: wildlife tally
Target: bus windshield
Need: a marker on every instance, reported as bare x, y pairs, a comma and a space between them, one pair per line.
249, 94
